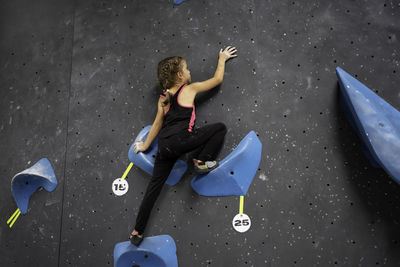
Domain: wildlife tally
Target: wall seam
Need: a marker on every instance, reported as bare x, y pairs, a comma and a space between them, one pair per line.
66, 138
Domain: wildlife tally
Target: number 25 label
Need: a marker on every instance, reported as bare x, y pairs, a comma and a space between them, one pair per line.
241, 223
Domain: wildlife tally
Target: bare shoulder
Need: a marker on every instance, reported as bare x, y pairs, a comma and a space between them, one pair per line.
160, 101
203, 86
161, 107
190, 89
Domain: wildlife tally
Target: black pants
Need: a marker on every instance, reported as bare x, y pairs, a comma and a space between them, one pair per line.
208, 138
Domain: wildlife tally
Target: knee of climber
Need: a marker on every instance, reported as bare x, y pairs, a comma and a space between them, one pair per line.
222, 127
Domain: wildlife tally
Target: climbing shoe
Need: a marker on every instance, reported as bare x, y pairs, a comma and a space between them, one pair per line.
204, 167
136, 239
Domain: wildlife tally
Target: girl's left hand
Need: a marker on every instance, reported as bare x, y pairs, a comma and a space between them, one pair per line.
139, 147
227, 53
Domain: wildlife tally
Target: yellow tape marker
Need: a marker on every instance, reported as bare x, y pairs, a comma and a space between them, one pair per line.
12, 216
16, 217
241, 204
127, 171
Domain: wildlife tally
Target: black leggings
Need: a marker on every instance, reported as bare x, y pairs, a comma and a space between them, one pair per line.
208, 138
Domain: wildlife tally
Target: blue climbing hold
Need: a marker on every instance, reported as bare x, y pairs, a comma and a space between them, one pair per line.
376, 122
155, 251
178, 2
235, 173
25, 183
145, 160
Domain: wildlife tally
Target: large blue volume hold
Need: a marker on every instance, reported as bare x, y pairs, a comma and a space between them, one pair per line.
145, 160
377, 123
25, 183
234, 173
154, 251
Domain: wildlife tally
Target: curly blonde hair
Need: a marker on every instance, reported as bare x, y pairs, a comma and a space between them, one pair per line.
167, 74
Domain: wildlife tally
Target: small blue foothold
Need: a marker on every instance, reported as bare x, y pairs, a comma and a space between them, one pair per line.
25, 183
235, 173
145, 160
376, 122
178, 2
154, 251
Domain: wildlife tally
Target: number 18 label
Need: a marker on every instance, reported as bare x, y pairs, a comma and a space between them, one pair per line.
241, 223
120, 186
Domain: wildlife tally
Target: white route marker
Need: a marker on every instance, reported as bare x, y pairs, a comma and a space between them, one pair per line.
241, 222
120, 186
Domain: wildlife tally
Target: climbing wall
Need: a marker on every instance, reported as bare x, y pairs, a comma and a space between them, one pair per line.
78, 83
35, 60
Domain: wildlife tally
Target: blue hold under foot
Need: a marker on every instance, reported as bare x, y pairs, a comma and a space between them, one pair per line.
235, 173
154, 251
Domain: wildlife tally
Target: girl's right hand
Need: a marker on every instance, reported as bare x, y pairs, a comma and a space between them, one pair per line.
227, 53
139, 147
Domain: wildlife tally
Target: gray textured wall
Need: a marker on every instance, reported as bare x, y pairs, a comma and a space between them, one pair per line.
78, 83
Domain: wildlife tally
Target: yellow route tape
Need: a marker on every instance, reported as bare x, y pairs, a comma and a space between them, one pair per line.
241, 204
127, 171
16, 217
12, 216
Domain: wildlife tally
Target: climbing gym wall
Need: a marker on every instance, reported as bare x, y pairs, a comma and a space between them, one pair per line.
79, 83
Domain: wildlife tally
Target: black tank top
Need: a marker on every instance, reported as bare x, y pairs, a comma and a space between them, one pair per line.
178, 117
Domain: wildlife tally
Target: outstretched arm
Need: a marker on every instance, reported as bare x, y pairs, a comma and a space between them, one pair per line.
154, 130
224, 55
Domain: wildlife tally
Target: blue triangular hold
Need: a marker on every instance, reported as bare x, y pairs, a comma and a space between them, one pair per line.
145, 160
235, 173
154, 251
25, 183
376, 122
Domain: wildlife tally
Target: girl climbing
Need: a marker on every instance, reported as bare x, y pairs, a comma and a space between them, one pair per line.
174, 125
